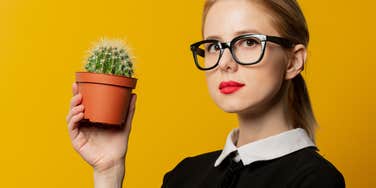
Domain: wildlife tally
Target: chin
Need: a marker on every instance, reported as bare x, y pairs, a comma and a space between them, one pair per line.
242, 109
234, 106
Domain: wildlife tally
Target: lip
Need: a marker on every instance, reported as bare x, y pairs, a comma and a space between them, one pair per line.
230, 87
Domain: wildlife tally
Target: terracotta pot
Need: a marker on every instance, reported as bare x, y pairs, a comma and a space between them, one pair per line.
105, 97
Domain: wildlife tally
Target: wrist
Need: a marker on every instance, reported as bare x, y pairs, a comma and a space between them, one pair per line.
111, 176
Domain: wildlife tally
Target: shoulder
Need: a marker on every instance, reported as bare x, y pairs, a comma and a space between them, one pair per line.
192, 166
313, 170
202, 160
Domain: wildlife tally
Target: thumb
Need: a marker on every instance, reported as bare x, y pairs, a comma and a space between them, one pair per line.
74, 88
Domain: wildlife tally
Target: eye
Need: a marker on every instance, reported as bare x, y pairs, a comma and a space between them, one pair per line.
248, 42
212, 48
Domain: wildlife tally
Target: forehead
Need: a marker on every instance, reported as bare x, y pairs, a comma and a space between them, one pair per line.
228, 18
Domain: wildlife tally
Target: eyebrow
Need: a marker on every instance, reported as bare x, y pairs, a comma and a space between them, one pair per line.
241, 32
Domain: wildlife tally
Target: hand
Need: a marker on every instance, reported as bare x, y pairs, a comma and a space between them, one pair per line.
104, 147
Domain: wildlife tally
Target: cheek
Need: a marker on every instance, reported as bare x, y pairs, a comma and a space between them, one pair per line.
269, 76
267, 79
261, 90
212, 81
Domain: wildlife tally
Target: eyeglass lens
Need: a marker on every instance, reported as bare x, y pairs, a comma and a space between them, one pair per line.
246, 50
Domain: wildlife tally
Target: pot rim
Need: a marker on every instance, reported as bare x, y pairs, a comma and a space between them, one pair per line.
102, 78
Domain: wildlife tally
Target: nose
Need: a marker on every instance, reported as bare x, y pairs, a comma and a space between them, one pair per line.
227, 63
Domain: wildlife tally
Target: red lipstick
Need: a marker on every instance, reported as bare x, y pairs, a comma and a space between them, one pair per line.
230, 87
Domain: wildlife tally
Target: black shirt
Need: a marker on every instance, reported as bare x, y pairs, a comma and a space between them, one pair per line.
304, 168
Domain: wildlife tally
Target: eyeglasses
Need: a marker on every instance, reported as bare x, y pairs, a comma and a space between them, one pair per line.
246, 49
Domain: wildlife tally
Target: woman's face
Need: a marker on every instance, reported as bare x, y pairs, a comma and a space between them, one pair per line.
226, 20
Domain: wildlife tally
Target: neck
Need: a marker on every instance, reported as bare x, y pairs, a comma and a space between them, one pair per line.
271, 121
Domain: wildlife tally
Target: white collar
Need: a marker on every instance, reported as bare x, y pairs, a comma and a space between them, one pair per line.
267, 148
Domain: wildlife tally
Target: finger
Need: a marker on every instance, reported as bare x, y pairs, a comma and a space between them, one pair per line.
132, 108
74, 111
74, 88
75, 100
73, 125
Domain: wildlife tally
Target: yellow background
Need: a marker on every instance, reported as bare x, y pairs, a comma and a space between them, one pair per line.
43, 42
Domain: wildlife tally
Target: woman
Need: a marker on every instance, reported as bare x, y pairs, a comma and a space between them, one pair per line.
253, 53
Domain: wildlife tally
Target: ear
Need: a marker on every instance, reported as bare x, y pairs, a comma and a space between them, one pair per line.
296, 61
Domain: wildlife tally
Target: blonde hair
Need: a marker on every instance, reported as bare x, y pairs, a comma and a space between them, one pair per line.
289, 21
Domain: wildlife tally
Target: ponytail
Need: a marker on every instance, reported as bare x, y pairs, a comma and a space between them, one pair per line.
300, 109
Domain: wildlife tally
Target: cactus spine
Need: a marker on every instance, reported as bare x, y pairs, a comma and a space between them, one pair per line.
110, 57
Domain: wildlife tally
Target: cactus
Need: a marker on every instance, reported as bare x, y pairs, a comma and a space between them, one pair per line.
110, 57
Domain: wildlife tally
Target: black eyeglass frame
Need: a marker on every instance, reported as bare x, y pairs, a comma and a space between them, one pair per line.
286, 43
